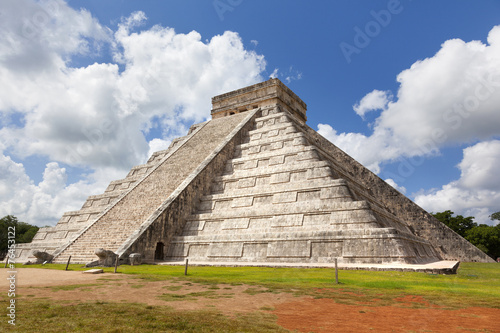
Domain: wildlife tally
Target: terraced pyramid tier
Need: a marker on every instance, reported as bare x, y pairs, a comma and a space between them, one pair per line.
278, 201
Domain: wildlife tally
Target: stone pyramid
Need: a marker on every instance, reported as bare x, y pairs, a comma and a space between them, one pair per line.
253, 184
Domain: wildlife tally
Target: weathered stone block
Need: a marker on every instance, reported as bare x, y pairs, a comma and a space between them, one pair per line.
335, 192
277, 160
288, 249
242, 202
241, 223
320, 172
226, 250
287, 220
285, 197
246, 182
135, 259
255, 251
326, 249
198, 250
280, 178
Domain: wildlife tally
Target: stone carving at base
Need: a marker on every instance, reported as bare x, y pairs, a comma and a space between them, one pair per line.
135, 259
41, 258
107, 258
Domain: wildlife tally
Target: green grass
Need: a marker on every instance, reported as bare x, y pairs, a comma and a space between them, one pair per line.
475, 284
44, 316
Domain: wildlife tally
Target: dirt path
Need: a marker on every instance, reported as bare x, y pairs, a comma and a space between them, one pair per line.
304, 314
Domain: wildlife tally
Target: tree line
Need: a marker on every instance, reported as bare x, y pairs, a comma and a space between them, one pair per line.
24, 232
483, 236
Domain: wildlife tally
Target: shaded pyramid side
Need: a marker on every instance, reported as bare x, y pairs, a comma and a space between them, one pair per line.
279, 201
383, 198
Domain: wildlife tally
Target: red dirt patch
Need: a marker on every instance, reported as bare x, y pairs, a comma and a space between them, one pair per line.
324, 315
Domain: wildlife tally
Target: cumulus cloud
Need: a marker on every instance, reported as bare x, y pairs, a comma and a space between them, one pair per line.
391, 182
99, 116
376, 100
43, 204
477, 191
450, 98
369, 151
274, 74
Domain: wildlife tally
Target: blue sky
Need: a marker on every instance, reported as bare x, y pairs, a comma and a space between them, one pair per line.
90, 88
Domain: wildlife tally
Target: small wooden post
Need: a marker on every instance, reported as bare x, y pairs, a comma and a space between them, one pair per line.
336, 272
6, 261
67, 264
186, 268
116, 262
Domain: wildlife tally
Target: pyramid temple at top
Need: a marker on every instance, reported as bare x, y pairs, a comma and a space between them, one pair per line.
254, 184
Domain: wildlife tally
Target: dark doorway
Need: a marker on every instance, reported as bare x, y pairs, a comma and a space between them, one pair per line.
159, 251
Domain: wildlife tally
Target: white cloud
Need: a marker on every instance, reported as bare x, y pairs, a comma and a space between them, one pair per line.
391, 182
376, 100
96, 116
43, 204
369, 151
448, 99
291, 75
274, 74
477, 192
157, 145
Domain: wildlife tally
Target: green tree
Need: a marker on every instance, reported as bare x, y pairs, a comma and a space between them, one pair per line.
486, 238
495, 216
24, 232
458, 223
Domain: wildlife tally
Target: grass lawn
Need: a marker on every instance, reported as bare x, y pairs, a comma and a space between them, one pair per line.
475, 284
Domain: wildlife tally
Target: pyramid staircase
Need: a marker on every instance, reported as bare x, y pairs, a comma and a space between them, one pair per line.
49, 239
125, 216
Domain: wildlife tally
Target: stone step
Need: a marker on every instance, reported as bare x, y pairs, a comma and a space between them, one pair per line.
267, 225
266, 209
302, 185
269, 139
271, 120
278, 155
275, 198
157, 156
385, 242
296, 235
314, 169
283, 127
